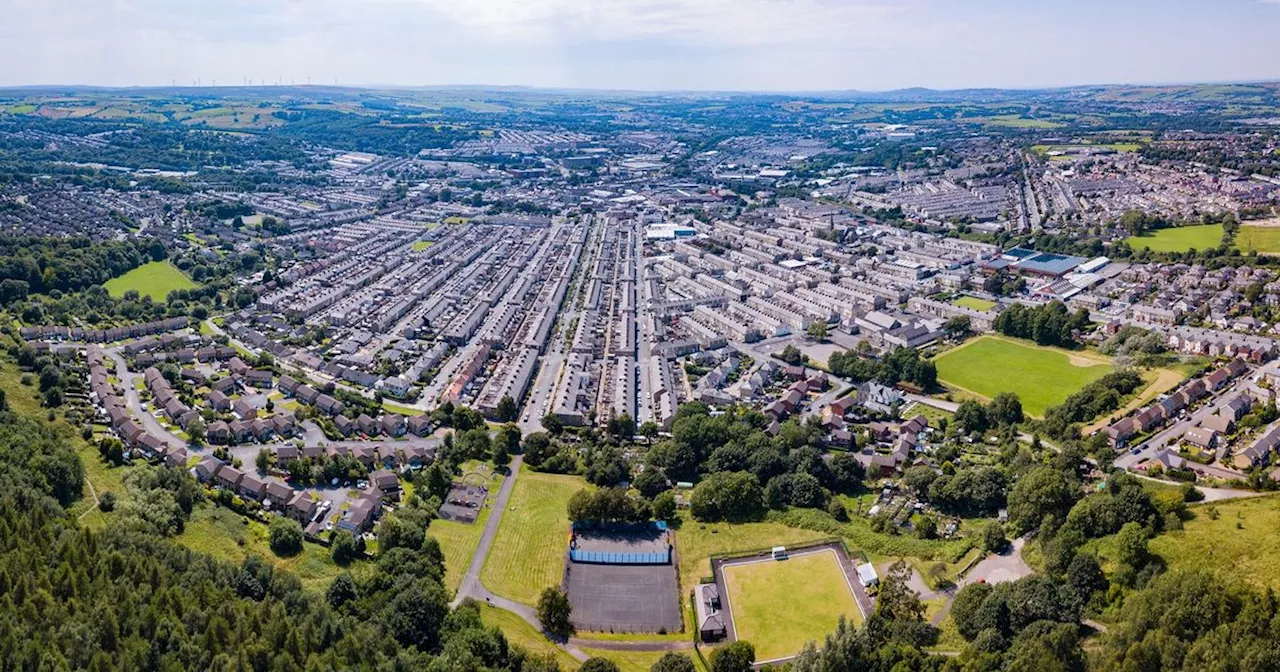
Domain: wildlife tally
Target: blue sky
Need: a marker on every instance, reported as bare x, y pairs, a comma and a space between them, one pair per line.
641, 44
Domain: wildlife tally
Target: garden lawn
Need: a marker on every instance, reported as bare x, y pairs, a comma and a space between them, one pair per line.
1040, 376
155, 279
974, 302
528, 552
779, 606
1260, 239
1241, 544
1179, 238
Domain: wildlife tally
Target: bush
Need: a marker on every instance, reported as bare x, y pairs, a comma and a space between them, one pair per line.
107, 502
285, 536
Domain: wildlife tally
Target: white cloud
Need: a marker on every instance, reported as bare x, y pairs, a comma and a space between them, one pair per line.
710, 44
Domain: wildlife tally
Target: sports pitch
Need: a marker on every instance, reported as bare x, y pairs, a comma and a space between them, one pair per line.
1040, 376
155, 279
974, 303
1179, 238
1260, 239
779, 606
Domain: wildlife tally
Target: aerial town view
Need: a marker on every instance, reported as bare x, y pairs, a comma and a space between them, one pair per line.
948, 364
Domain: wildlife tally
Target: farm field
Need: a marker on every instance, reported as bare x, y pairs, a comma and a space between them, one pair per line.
155, 279
1040, 376
697, 542
974, 302
528, 552
1260, 239
1241, 543
1179, 239
764, 599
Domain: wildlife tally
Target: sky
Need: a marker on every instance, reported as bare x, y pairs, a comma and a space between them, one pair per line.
726, 45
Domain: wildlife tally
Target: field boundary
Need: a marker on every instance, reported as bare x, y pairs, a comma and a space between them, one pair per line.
844, 560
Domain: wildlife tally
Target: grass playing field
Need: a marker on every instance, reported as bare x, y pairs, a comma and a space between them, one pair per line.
1241, 543
1260, 239
155, 279
697, 542
458, 541
779, 606
974, 302
528, 553
1179, 239
421, 245
1040, 376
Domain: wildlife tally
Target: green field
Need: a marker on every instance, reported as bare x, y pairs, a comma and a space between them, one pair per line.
528, 553
1040, 376
458, 541
155, 279
230, 537
1242, 543
1179, 238
421, 245
522, 634
697, 542
1260, 239
766, 598
974, 302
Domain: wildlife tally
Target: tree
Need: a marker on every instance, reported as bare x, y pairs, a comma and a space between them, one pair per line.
972, 417
664, 506
673, 662
343, 550
919, 478
537, 448
1005, 409
732, 496
735, 657
993, 540
554, 612
621, 427
285, 536
649, 430
958, 326
416, 613
501, 458
966, 609
1131, 546
341, 591
791, 354
196, 430
506, 410
598, 664
927, 528
817, 330
846, 473
552, 424
1041, 492
651, 482
107, 502
837, 510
